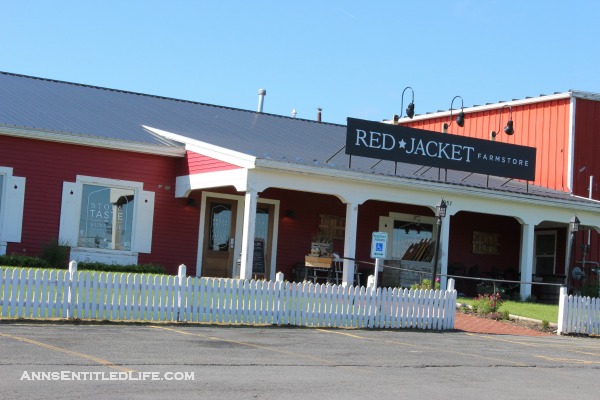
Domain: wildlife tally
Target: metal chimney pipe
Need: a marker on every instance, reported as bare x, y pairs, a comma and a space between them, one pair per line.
319, 114
261, 98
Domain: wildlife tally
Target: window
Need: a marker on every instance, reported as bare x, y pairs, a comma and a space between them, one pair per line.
412, 241
105, 215
410, 237
12, 197
106, 219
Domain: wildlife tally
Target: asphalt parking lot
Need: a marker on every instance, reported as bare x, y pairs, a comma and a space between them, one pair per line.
71, 361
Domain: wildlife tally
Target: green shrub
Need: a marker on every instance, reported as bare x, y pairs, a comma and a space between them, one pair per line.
134, 268
17, 260
591, 289
426, 284
55, 254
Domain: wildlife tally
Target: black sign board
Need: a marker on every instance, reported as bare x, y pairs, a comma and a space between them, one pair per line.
258, 263
434, 149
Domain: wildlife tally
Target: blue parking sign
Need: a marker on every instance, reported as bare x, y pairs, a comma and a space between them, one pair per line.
379, 244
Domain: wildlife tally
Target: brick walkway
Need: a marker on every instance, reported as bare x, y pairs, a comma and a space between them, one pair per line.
473, 324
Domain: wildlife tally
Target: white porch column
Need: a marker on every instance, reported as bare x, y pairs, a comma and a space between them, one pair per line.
526, 260
445, 243
350, 243
251, 200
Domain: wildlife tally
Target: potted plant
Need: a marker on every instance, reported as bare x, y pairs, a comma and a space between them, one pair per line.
322, 245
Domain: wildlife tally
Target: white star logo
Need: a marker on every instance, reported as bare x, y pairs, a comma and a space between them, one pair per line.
402, 144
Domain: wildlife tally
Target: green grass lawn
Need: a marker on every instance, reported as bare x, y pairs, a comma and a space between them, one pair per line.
542, 312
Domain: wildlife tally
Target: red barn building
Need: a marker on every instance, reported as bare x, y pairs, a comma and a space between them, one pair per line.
124, 178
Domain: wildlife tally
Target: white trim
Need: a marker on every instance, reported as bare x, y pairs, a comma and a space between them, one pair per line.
82, 140
207, 149
92, 180
232, 177
426, 186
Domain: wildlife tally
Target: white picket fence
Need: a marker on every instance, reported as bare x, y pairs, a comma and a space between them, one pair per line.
39, 293
577, 314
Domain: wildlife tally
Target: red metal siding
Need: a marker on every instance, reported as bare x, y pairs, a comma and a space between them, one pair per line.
587, 146
543, 125
46, 165
195, 163
587, 163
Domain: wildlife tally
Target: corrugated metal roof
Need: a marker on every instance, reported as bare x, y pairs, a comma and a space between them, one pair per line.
84, 110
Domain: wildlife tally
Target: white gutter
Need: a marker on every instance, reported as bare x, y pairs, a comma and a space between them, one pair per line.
92, 141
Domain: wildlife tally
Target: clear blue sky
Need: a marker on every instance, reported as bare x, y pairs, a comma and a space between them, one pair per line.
350, 58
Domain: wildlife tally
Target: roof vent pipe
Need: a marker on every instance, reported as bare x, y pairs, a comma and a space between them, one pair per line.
261, 98
294, 113
319, 114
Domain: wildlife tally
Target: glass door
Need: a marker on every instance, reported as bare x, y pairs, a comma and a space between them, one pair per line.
545, 253
219, 234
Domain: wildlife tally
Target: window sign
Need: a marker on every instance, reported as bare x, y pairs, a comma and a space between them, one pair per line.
220, 226
106, 217
434, 149
261, 230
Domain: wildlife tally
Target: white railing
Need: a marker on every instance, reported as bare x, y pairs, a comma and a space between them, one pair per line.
39, 293
577, 314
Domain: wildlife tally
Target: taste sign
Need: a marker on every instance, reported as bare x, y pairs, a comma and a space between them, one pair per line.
417, 146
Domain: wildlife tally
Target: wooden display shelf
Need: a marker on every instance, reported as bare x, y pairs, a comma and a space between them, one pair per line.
318, 262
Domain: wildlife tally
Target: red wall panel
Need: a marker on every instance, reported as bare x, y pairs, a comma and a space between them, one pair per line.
195, 163
46, 165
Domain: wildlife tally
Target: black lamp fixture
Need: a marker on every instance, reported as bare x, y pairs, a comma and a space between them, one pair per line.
410, 110
574, 224
440, 209
440, 213
460, 119
509, 129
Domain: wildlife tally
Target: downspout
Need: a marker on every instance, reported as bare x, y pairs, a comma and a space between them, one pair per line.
571, 152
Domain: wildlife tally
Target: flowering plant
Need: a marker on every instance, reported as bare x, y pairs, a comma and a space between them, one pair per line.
487, 303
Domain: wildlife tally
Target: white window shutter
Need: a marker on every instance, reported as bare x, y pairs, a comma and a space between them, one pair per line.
69, 214
142, 238
12, 226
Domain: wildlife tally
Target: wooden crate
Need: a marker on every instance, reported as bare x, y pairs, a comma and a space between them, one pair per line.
318, 262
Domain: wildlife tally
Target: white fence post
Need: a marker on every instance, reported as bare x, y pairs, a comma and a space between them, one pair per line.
450, 284
562, 309
279, 277
70, 305
181, 272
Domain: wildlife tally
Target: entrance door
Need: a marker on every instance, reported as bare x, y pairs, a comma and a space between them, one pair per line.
264, 230
545, 253
219, 234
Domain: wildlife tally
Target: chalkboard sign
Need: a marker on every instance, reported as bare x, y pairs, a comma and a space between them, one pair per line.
258, 264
